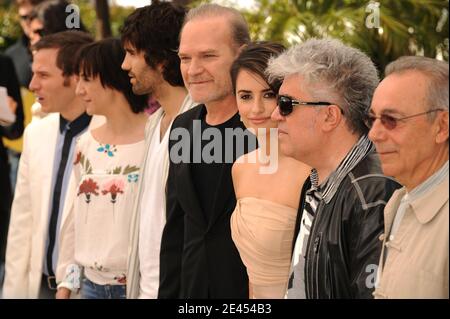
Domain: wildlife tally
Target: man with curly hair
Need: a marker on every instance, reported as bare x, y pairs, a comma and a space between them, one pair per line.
150, 37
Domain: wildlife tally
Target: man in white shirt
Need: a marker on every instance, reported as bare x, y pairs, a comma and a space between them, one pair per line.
150, 37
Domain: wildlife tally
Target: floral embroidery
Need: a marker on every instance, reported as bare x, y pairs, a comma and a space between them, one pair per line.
108, 149
121, 279
73, 275
84, 162
78, 158
133, 178
88, 187
99, 267
114, 187
127, 170
130, 169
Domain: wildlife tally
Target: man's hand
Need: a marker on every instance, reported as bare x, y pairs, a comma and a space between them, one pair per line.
63, 293
12, 105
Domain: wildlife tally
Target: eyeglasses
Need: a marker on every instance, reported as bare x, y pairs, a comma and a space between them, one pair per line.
390, 122
286, 104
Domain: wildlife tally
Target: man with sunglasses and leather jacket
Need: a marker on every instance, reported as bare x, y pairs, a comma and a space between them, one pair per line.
326, 92
409, 127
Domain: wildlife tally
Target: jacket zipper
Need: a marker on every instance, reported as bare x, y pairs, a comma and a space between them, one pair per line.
316, 262
312, 248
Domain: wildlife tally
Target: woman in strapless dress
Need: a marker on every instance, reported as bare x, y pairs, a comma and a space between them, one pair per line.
267, 185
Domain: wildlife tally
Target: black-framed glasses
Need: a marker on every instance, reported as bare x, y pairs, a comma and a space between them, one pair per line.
286, 104
390, 122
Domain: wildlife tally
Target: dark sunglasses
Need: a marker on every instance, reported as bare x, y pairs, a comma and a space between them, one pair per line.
286, 104
390, 122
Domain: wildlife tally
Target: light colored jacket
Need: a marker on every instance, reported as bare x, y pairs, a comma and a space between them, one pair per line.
133, 274
28, 228
417, 262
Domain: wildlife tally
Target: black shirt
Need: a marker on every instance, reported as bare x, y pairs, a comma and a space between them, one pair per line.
218, 147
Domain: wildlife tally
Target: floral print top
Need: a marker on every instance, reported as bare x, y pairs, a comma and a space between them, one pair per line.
106, 177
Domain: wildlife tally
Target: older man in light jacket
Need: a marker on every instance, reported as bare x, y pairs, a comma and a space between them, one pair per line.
409, 126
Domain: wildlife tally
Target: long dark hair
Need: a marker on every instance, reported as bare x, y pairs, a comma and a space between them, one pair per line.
254, 58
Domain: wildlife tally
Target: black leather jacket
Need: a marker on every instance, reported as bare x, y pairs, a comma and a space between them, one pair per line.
343, 249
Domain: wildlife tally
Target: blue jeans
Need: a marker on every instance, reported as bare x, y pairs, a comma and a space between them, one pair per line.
90, 290
13, 159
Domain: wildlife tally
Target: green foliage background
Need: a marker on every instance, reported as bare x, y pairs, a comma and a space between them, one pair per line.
408, 26
10, 29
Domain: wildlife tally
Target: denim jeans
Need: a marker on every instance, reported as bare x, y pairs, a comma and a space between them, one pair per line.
13, 159
90, 290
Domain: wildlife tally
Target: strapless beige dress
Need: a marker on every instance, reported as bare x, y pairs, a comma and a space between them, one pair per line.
263, 232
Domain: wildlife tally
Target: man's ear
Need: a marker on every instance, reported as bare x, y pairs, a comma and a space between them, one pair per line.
442, 127
70, 80
239, 50
160, 67
331, 117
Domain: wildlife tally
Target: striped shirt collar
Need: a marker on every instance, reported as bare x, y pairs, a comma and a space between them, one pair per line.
428, 184
330, 185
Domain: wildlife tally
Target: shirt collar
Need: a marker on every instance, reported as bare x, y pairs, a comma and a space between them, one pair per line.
329, 187
427, 199
76, 126
428, 184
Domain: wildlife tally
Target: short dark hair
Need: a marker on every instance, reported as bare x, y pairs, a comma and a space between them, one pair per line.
103, 59
254, 58
155, 30
53, 15
68, 44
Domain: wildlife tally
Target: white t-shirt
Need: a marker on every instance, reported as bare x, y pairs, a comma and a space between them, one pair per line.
152, 215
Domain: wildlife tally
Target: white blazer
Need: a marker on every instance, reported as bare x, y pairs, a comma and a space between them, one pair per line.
30, 209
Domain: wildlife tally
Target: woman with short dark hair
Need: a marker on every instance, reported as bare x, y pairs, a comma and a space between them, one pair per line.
104, 181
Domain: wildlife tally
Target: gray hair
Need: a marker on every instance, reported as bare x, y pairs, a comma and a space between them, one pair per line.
437, 73
239, 26
333, 72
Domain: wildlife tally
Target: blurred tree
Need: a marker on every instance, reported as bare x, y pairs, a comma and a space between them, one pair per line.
10, 29
406, 27
103, 26
9, 24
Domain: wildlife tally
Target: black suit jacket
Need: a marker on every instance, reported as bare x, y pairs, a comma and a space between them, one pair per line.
198, 256
9, 80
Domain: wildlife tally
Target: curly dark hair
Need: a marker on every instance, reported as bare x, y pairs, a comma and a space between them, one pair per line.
103, 59
155, 30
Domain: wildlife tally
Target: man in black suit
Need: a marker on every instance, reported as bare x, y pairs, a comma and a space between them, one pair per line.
8, 79
198, 256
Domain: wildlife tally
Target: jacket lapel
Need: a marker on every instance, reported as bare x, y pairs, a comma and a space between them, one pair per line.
185, 186
46, 166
